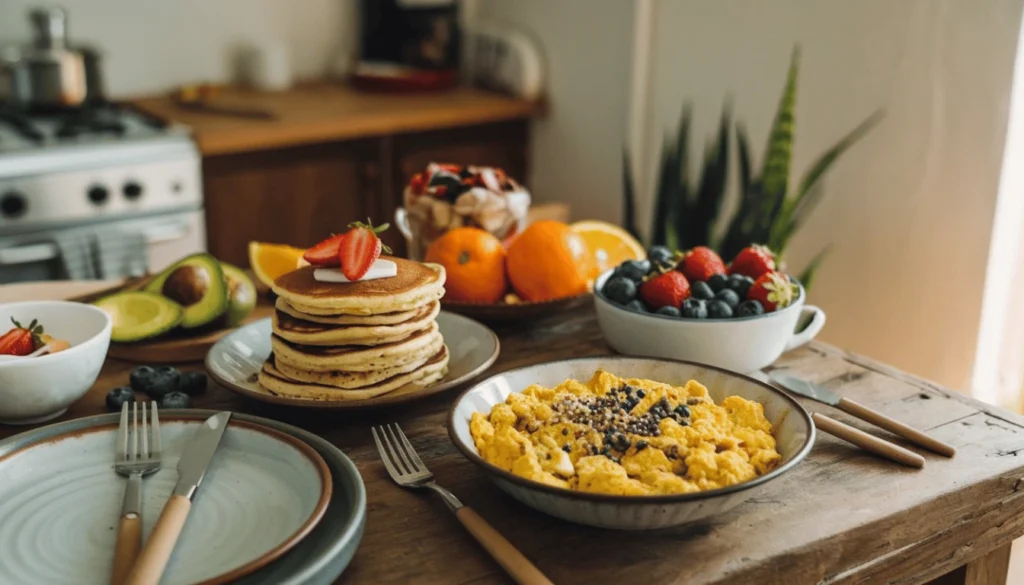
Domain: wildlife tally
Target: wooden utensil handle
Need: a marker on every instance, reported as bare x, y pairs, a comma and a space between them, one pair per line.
518, 567
867, 442
153, 559
129, 541
896, 427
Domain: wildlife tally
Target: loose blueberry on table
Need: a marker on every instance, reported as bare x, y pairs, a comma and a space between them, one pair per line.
118, 396
154, 381
175, 400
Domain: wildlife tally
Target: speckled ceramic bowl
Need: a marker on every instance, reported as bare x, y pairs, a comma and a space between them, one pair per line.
792, 428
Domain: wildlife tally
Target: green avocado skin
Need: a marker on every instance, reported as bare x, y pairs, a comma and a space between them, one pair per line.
167, 319
241, 294
214, 302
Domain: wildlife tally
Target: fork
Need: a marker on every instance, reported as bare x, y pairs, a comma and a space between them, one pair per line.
133, 463
407, 470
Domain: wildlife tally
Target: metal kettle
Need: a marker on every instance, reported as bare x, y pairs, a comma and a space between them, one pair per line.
49, 73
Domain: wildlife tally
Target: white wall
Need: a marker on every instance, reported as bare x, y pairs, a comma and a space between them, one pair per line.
152, 46
577, 150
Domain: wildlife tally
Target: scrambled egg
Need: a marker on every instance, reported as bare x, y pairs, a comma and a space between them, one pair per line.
627, 437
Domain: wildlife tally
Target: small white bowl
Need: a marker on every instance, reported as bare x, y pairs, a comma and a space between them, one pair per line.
36, 389
791, 426
743, 344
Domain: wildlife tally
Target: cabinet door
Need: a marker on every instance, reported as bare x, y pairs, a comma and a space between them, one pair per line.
295, 196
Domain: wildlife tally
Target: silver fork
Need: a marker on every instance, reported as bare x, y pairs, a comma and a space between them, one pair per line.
407, 470
133, 462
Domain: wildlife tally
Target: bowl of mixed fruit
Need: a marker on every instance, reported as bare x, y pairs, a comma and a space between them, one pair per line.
691, 305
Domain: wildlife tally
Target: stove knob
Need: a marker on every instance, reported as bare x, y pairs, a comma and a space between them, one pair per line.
13, 204
98, 194
132, 190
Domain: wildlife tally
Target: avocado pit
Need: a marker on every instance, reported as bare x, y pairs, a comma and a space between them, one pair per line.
187, 285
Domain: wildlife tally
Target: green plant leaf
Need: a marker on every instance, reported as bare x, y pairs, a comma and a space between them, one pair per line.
680, 214
628, 197
775, 172
807, 275
663, 194
713, 178
743, 148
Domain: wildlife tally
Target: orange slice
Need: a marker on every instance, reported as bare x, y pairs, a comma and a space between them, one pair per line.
610, 244
270, 261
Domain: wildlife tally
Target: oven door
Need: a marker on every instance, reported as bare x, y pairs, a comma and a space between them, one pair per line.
38, 257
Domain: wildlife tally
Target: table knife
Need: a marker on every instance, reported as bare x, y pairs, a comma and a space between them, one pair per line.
195, 459
826, 396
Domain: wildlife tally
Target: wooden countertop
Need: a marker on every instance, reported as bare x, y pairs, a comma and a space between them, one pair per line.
841, 516
325, 112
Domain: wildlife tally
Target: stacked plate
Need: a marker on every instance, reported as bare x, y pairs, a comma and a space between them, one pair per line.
277, 505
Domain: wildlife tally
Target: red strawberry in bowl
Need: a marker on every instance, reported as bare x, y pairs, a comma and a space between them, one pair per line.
360, 248
21, 340
774, 291
753, 261
669, 289
701, 263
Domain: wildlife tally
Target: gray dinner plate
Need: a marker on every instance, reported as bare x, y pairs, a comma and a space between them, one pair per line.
319, 557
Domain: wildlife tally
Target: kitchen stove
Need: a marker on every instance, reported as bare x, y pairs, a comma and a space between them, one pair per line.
90, 172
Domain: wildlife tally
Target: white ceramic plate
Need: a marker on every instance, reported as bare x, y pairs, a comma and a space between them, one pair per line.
60, 500
235, 361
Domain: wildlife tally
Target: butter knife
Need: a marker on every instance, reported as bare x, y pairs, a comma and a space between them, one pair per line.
191, 468
826, 396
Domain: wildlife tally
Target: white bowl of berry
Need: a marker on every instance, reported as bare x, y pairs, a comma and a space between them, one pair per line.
692, 306
52, 353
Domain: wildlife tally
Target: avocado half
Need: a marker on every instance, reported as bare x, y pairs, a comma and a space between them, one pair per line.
138, 315
241, 294
198, 284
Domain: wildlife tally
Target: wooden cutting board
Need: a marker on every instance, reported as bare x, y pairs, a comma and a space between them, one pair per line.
167, 350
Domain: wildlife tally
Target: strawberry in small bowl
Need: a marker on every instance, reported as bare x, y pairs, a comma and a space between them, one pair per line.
693, 306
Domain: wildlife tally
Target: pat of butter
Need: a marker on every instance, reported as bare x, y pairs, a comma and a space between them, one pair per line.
381, 269
564, 466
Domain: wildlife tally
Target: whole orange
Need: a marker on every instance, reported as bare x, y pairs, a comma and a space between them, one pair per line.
475, 262
549, 260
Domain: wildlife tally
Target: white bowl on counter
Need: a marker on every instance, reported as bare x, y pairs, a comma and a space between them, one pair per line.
743, 344
35, 389
791, 427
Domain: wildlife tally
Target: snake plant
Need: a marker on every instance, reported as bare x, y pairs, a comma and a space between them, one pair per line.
769, 210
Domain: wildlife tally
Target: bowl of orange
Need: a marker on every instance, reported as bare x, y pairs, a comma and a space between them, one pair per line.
548, 267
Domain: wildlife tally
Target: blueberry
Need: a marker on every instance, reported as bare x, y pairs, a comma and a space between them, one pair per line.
154, 381
660, 255
118, 396
619, 289
749, 309
701, 290
192, 383
636, 305
729, 296
695, 309
634, 270
175, 399
719, 309
668, 311
718, 281
741, 284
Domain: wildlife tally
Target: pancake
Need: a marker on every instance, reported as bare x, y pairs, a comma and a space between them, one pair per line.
274, 382
357, 358
348, 380
415, 285
308, 333
382, 319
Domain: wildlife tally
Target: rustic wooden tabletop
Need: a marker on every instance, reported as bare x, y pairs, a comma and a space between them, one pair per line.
841, 516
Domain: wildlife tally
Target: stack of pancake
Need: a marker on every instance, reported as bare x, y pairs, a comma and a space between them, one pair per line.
356, 340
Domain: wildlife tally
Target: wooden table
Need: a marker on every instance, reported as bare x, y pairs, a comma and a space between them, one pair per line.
841, 516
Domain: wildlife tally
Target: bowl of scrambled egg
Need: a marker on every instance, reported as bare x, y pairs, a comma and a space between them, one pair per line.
629, 443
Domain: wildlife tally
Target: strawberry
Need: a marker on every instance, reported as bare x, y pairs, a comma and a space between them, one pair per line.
360, 248
418, 184
774, 291
326, 252
753, 261
668, 289
21, 340
701, 264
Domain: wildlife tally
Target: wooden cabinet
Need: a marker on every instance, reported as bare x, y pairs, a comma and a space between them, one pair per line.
300, 195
